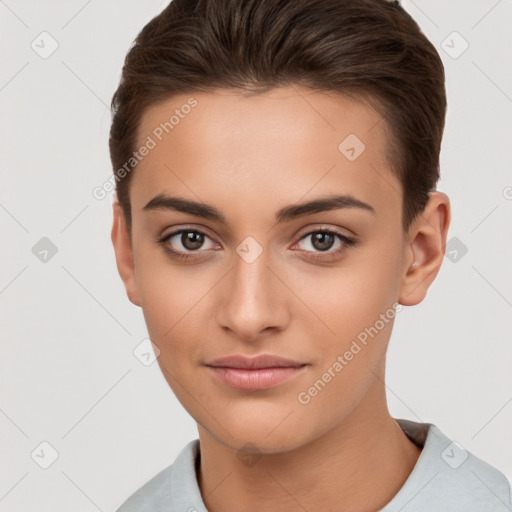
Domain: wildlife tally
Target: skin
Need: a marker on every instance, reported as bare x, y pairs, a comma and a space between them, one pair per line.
249, 157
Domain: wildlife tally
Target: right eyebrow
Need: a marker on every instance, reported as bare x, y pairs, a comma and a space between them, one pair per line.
164, 202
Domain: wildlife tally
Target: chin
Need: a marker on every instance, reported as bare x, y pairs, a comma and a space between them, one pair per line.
260, 444
266, 434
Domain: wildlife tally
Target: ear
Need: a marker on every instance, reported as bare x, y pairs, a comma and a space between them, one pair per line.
124, 253
426, 244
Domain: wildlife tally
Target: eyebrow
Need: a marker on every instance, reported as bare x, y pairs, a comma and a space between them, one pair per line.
288, 213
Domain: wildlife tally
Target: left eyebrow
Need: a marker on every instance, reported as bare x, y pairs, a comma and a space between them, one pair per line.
321, 204
288, 213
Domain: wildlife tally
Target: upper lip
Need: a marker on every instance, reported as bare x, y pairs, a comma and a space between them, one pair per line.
254, 363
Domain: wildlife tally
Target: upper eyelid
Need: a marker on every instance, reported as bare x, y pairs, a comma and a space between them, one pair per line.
319, 227
177, 231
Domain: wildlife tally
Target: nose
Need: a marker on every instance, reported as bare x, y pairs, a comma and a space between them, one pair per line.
253, 300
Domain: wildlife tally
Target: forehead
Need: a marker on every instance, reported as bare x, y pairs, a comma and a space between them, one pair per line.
270, 149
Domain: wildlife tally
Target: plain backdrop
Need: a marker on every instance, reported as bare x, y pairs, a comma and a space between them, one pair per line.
69, 377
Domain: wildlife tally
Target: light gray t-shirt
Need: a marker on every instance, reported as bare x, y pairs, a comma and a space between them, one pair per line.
446, 478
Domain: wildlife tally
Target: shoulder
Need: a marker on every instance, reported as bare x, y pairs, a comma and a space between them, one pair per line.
471, 483
153, 496
166, 491
448, 477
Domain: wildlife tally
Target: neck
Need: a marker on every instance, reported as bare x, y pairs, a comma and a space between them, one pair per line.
367, 451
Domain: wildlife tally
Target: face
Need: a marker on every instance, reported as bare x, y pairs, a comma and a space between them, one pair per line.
257, 272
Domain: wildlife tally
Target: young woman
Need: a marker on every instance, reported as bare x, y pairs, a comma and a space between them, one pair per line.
276, 165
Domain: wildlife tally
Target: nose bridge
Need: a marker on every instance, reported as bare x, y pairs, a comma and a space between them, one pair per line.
251, 302
250, 283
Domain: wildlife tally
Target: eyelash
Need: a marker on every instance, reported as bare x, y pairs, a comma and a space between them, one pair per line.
347, 242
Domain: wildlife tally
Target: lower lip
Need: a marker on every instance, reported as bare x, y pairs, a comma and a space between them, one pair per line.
263, 378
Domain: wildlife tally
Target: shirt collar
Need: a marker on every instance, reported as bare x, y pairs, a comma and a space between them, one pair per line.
186, 495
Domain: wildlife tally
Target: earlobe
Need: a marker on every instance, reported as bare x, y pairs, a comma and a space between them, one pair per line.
426, 247
124, 253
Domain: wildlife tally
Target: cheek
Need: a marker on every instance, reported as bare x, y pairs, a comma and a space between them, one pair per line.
351, 297
172, 308
351, 360
168, 292
354, 307
177, 303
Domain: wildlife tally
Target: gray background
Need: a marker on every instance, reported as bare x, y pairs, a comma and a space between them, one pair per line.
68, 373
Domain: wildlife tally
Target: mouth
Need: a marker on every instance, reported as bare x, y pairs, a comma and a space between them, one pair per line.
262, 378
262, 372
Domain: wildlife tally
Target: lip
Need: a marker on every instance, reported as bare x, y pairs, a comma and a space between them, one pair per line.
261, 372
254, 363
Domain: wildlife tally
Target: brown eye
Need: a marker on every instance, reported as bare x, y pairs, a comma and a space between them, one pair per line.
186, 242
324, 240
192, 240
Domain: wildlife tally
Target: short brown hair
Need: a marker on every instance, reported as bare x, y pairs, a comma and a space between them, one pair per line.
370, 49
